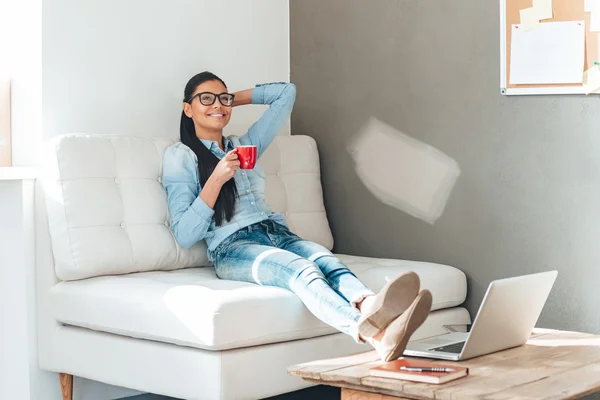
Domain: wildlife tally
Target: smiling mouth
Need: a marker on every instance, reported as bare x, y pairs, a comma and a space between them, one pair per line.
217, 115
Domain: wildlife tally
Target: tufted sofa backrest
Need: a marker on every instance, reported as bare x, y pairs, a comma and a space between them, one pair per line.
108, 213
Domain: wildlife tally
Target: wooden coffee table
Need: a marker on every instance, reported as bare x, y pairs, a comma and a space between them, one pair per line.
552, 365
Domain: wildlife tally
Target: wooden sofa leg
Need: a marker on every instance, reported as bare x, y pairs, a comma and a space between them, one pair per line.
66, 385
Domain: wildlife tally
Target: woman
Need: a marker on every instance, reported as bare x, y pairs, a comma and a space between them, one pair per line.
210, 198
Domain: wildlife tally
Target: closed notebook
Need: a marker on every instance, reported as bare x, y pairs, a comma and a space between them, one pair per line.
392, 370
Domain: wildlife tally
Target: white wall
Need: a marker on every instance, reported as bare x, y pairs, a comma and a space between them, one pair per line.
16, 292
120, 67
21, 61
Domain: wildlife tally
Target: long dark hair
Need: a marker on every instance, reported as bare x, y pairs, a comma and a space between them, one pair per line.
207, 161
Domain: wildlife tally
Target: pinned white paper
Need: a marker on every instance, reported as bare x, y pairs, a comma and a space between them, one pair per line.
529, 18
554, 52
591, 80
543, 8
591, 5
595, 21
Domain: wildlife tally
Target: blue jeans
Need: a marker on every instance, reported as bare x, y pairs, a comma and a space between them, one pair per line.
268, 253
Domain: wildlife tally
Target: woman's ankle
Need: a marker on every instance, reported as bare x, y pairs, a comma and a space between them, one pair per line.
366, 301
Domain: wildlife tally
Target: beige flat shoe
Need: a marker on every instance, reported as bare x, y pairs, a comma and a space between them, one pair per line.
391, 301
398, 333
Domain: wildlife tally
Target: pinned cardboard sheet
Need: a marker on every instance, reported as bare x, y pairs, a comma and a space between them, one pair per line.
552, 53
542, 57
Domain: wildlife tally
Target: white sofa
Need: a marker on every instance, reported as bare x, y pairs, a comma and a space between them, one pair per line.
120, 302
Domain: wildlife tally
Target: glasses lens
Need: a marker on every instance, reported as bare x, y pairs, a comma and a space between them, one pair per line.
207, 99
226, 99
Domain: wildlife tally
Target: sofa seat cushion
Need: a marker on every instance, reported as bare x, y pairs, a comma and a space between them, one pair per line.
192, 307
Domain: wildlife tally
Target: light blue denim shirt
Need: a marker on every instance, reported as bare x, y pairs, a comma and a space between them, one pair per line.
191, 218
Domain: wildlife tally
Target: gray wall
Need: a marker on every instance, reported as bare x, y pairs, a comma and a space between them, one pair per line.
528, 198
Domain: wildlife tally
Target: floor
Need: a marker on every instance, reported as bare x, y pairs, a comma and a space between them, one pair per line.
313, 393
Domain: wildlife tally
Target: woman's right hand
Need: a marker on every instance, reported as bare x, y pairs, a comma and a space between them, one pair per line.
226, 168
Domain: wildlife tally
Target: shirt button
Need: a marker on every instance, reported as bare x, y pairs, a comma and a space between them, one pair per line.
122, 224
159, 179
243, 173
262, 213
252, 202
248, 191
167, 224
117, 181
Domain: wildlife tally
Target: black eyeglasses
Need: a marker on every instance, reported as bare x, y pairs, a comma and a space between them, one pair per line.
208, 98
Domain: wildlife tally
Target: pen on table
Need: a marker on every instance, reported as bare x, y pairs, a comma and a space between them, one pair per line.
426, 369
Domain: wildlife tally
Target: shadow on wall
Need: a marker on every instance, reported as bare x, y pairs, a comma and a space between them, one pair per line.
403, 172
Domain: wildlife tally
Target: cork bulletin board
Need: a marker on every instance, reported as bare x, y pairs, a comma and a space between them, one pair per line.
563, 10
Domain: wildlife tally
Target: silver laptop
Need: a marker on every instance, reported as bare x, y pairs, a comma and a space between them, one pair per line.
506, 318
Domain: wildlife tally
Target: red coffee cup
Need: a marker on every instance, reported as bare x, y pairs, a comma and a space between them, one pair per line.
247, 156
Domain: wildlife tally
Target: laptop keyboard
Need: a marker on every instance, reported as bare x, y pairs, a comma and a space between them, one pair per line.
455, 348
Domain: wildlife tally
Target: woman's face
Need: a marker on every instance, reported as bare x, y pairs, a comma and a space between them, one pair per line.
212, 117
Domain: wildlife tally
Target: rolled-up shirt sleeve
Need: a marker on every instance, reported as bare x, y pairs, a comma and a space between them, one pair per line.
190, 215
280, 97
